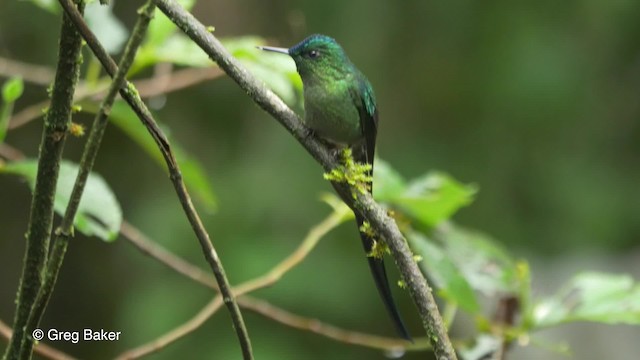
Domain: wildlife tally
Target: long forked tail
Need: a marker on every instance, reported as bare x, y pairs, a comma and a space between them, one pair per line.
376, 265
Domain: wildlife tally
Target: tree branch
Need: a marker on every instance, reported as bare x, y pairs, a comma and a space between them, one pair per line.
41, 217
130, 95
262, 307
64, 232
181, 266
174, 334
42, 349
363, 204
148, 87
316, 326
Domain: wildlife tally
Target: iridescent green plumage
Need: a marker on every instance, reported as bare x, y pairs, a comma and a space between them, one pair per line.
340, 107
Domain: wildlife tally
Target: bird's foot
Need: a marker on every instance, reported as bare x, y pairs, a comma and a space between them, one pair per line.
308, 133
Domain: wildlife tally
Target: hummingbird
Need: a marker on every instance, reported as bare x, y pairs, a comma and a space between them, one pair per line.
340, 108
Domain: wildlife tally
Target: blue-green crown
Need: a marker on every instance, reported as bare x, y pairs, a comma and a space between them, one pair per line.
314, 42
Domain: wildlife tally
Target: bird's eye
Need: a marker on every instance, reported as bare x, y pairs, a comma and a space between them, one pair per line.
314, 54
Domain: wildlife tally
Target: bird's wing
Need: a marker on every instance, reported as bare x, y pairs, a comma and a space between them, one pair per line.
366, 103
363, 152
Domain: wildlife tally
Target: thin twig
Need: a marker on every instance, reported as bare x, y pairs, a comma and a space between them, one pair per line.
191, 271
131, 97
28, 114
332, 332
315, 234
41, 216
174, 81
9, 152
37, 74
174, 334
154, 250
64, 232
144, 244
42, 349
363, 204
262, 307
167, 83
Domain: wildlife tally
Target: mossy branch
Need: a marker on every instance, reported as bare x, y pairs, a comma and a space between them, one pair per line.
131, 96
64, 232
363, 204
56, 125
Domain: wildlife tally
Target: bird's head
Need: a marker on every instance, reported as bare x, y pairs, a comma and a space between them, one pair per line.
317, 58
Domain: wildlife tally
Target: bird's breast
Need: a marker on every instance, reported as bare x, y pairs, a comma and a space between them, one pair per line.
331, 113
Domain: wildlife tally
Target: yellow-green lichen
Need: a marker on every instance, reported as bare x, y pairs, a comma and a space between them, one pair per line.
76, 129
358, 175
402, 284
378, 249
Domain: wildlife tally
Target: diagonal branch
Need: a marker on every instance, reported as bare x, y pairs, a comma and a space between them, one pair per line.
147, 246
181, 266
42, 349
203, 315
64, 232
363, 204
54, 135
130, 95
154, 86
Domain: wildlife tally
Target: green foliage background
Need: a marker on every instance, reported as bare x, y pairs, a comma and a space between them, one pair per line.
535, 102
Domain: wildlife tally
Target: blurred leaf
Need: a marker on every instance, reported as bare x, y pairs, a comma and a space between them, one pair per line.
192, 171
591, 296
161, 27
446, 275
278, 71
11, 91
485, 265
180, 50
164, 43
484, 346
108, 28
99, 212
48, 5
434, 197
388, 183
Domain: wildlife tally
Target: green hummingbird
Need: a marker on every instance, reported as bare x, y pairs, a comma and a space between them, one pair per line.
340, 108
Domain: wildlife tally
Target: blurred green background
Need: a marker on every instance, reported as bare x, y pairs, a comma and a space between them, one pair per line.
535, 102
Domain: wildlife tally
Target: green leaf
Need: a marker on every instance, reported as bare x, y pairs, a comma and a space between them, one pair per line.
12, 89
108, 28
278, 71
161, 27
388, 183
99, 212
155, 48
447, 276
485, 265
592, 296
434, 198
164, 44
180, 50
484, 344
192, 171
